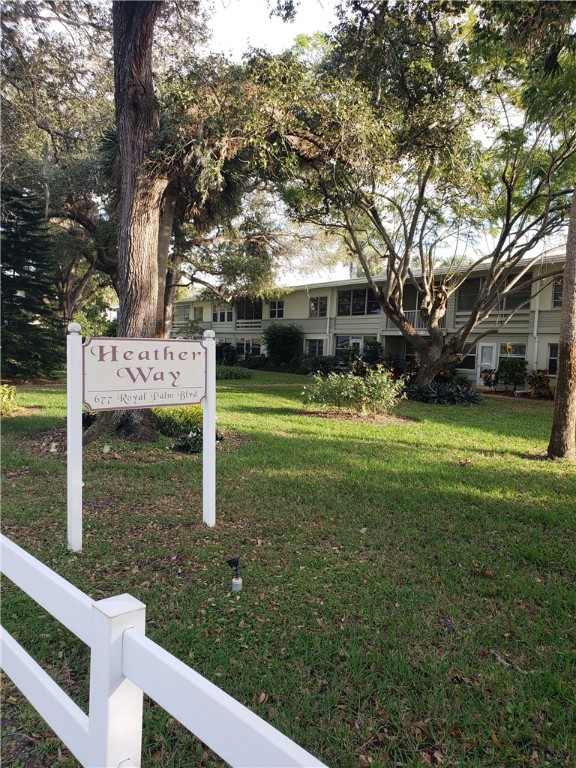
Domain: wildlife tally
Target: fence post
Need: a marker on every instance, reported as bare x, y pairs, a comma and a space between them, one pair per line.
74, 435
116, 704
209, 433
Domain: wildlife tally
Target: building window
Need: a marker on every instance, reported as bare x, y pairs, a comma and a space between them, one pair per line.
410, 354
468, 362
467, 294
345, 342
318, 306
344, 302
276, 309
182, 312
553, 359
372, 304
557, 293
248, 347
248, 310
512, 350
521, 295
221, 313
359, 301
353, 342
315, 347
199, 314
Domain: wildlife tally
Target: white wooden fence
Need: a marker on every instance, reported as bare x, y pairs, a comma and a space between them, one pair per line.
124, 664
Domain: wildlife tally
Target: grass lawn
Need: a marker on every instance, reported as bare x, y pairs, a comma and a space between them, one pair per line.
409, 587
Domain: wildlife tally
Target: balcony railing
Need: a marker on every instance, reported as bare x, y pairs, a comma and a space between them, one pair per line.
248, 325
415, 320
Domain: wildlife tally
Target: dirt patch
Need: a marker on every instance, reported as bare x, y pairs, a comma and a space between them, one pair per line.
378, 418
53, 443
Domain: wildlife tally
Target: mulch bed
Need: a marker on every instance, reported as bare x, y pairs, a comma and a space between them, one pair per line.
377, 418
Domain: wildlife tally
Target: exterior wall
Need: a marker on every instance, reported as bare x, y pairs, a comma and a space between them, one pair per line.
535, 326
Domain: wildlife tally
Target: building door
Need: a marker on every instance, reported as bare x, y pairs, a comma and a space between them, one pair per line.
486, 359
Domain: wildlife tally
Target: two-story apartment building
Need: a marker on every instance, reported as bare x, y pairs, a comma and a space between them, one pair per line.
343, 313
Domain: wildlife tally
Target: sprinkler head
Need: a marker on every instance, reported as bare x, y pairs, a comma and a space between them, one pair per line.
234, 563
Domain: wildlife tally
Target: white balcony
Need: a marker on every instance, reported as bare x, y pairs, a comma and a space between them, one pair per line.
414, 318
248, 325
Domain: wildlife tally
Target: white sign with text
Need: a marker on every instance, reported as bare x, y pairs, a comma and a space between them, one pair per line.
142, 373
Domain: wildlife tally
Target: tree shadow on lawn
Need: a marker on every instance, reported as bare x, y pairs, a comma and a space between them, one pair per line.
387, 479
497, 418
330, 414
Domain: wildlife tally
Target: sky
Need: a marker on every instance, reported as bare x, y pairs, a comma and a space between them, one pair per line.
240, 24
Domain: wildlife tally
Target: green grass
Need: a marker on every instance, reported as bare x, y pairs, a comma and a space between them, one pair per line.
409, 594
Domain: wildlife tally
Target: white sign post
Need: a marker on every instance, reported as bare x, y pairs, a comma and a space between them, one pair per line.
107, 374
209, 433
74, 436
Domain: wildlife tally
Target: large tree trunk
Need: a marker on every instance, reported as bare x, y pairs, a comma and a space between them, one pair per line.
141, 190
563, 438
172, 278
164, 241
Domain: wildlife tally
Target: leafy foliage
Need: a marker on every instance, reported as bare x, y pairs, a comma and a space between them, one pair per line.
283, 343
255, 362
233, 372
8, 401
193, 441
511, 372
377, 392
378, 144
31, 341
539, 382
178, 421
226, 353
489, 378
443, 394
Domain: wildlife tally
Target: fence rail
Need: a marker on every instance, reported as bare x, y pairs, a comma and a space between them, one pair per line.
124, 665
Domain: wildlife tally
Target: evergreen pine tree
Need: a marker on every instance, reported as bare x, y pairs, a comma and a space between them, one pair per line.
31, 343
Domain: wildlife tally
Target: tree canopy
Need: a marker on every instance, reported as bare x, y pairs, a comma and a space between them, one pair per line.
410, 136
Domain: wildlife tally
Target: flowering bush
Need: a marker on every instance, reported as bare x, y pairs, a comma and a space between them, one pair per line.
539, 383
376, 392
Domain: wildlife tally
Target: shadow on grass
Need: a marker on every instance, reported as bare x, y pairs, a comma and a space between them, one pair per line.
505, 419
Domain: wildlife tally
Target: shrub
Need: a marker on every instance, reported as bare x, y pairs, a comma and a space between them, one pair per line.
539, 383
443, 394
446, 375
226, 354
377, 392
324, 364
179, 420
233, 372
373, 352
254, 362
283, 343
511, 372
193, 442
489, 378
411, 368
8, 402
462, 380
192, 329
351, 361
